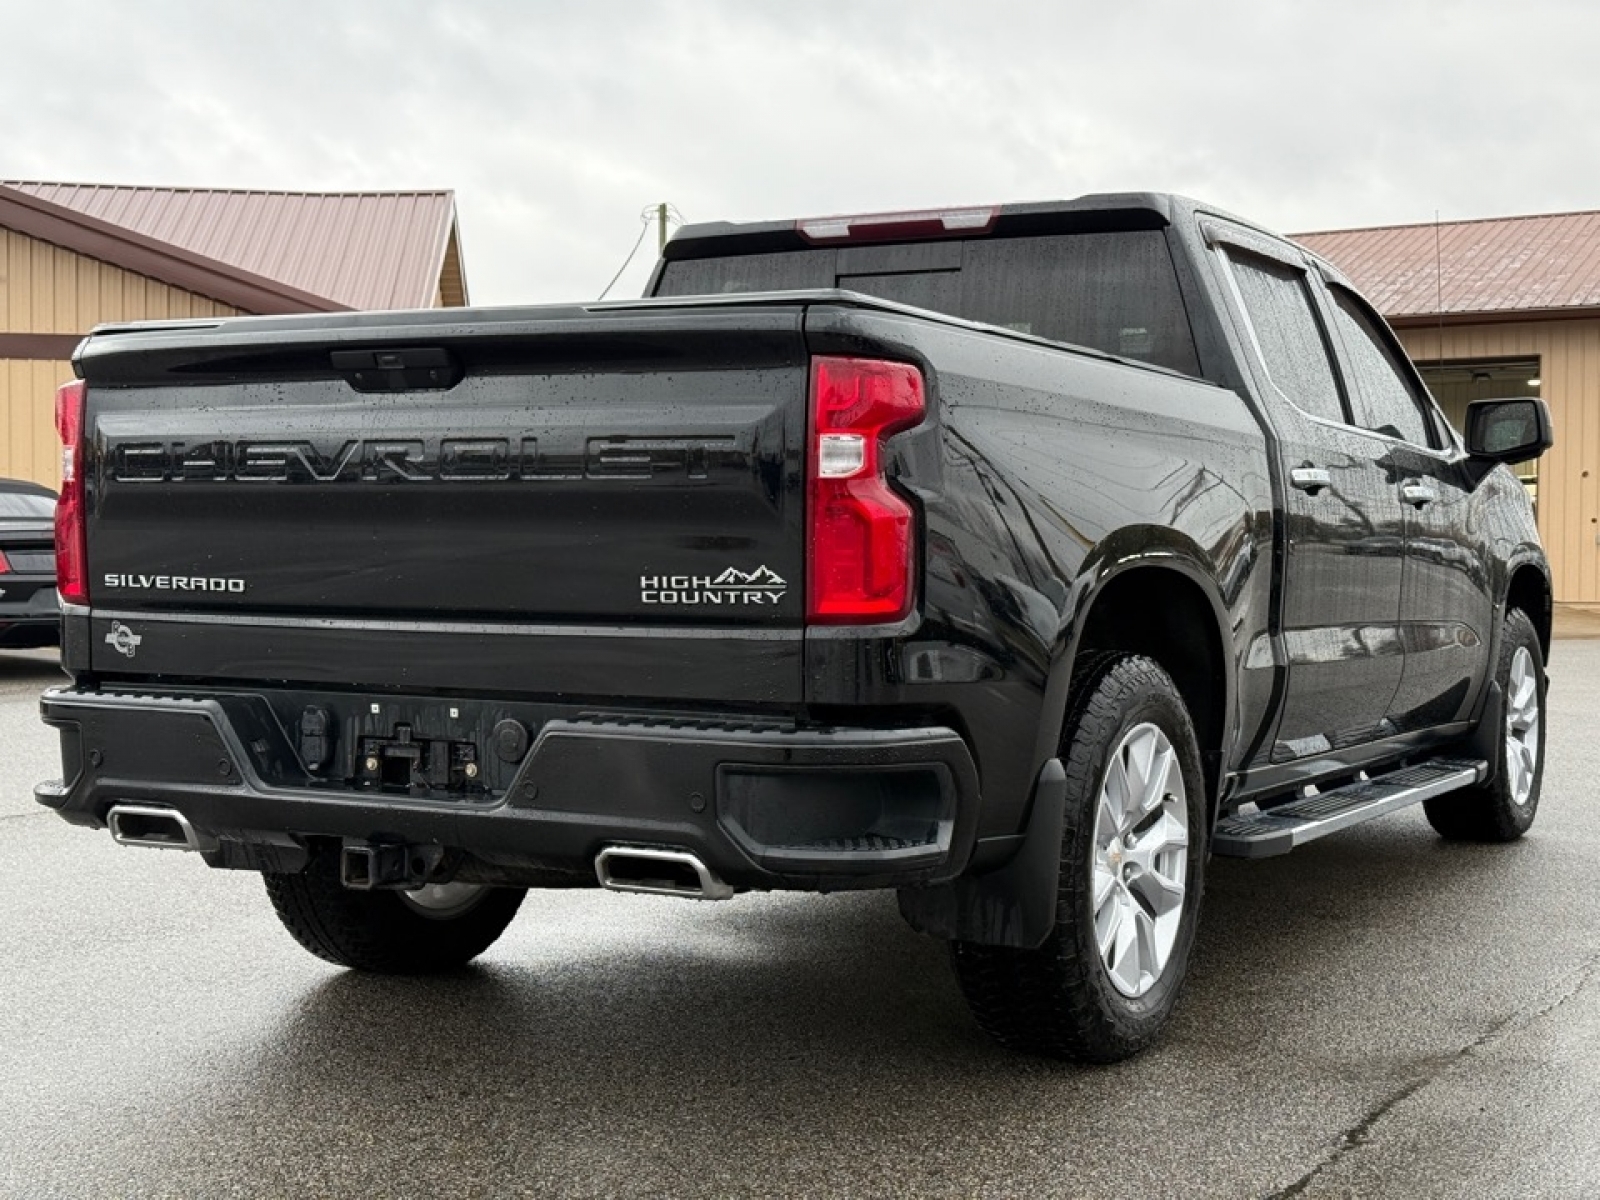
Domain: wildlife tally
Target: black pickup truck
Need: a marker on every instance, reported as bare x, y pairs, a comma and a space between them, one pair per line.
1018, 559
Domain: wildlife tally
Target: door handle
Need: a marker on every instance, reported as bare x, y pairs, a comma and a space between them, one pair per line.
1418, 494
1310, 480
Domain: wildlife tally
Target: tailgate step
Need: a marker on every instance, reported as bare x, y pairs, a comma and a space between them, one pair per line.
1280, 829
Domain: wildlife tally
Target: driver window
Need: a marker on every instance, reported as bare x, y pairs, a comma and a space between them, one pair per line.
1386, 401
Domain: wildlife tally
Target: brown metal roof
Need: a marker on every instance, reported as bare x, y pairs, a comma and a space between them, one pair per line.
356, 249
1527, 266
159, 260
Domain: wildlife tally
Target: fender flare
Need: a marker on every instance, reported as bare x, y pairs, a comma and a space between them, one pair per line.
1147, 548
1530, 556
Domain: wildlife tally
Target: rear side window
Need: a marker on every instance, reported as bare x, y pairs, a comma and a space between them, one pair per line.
1290, 336
1116, 292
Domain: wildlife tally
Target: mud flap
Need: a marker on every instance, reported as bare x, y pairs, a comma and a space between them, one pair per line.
1491, 730
1013, 905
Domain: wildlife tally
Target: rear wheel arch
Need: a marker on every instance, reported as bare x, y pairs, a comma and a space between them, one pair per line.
1164, 610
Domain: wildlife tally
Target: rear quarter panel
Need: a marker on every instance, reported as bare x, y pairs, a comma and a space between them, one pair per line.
1042, 473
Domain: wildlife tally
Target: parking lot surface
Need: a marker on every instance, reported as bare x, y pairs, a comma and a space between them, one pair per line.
1378, 1014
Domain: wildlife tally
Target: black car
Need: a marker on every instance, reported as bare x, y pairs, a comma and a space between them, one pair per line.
30, 613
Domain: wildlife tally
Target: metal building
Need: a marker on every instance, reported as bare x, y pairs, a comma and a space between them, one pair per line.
1505, 307
74, 256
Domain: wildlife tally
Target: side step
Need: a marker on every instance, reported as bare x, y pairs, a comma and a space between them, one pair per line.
1281, 828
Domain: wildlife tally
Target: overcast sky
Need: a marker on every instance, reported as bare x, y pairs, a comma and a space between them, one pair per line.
556, 123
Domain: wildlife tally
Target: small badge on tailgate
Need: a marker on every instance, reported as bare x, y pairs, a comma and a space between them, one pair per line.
731, 588
123, 640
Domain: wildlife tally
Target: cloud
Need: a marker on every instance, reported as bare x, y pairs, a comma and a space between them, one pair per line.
556, 123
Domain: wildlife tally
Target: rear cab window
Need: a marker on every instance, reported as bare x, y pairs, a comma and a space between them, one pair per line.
1112, 291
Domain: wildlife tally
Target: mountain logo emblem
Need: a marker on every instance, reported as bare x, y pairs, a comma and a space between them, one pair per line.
762, 577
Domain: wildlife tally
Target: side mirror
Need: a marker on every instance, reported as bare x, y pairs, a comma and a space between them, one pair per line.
1508, 431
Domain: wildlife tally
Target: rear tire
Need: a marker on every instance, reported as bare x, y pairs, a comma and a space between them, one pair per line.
439, 928
1132, 858
1503, 809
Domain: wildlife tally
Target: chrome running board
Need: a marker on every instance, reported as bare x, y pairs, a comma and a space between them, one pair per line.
1279, 829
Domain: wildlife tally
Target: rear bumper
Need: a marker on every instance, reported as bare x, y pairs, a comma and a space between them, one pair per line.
763, 805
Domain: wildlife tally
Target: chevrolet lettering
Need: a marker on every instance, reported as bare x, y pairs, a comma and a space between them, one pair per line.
417, 459
1016, 559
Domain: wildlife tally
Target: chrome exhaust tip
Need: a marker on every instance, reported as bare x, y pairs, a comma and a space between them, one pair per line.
657, 872
147, 825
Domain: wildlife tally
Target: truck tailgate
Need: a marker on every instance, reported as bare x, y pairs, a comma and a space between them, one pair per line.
566, 501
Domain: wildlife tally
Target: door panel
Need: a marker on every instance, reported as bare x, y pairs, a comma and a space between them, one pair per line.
1341, 597
1446, 601
1344, 530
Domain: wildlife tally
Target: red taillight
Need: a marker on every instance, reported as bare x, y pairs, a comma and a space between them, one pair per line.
72, 554
859, 534
5, 566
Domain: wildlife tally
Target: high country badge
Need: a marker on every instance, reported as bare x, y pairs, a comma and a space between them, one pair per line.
732, 588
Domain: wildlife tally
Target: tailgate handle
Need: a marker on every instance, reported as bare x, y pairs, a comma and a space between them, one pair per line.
402, 369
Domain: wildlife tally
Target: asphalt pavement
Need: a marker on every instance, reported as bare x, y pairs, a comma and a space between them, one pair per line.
1379, 1014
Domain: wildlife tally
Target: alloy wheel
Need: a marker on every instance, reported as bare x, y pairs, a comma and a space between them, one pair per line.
1141, 859
1522, 726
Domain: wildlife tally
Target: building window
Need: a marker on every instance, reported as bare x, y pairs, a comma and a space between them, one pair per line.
1457, 382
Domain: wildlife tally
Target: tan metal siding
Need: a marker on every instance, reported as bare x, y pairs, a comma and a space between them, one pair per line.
1569, 475
28, 447
453, 278
45, 289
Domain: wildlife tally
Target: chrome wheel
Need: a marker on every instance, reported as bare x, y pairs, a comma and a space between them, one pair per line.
1140, 859
443, 901
1522, 726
